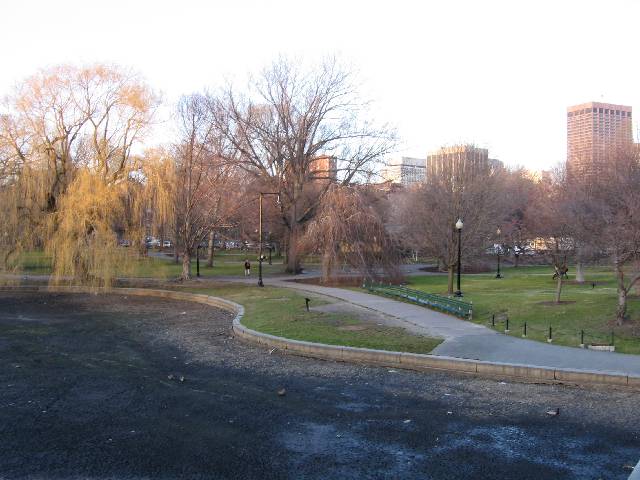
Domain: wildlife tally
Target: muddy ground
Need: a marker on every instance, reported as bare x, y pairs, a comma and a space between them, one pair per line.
90, 387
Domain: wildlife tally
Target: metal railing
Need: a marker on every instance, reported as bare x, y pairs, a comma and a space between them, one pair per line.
501, 322
450, 305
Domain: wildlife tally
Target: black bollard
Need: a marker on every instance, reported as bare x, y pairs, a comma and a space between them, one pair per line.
307, 300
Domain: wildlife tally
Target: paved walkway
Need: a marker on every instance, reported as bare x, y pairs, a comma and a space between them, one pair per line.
464, 339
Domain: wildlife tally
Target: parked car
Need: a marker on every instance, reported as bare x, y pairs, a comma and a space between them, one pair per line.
167, 244
124, 243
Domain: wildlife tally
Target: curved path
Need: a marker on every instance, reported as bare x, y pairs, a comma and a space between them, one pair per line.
468, 340
91, 388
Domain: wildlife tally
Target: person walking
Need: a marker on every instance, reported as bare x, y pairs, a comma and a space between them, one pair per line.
247, 267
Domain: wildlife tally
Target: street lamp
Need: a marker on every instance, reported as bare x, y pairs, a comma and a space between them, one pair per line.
498, 249
459, 226
260, 283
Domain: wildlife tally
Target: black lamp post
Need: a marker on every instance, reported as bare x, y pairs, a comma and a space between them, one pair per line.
260, 283
459, 225
198, 261
498, 250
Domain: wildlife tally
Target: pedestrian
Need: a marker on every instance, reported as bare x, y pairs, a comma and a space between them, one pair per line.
247, 267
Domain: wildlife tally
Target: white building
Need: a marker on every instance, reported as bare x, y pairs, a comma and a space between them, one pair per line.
405, 170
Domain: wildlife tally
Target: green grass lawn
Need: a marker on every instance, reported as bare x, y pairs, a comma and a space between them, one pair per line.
526, 294
282, 312
224, 264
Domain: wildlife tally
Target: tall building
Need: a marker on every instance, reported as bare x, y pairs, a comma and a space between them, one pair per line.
460, 161
405, 171
594, 132
324, 169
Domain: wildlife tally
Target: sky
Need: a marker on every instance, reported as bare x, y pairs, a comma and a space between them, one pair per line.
499, 74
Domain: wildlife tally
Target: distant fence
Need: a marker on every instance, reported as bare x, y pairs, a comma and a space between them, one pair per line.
453, 306
501, 322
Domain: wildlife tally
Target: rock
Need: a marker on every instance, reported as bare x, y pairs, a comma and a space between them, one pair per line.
553, 413
282, 392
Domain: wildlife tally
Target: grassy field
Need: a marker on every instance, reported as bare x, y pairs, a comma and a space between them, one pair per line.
282, 312
224, 264
526, 295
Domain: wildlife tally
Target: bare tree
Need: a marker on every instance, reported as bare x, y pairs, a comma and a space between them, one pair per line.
549, 218
606, 209
517, 190
433, 209
299, 131
204, 181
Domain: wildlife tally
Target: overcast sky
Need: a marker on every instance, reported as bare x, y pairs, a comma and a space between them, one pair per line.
496, 73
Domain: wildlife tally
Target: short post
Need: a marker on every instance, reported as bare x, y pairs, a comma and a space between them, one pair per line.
550, 338
581, 338
493, 320
524, 332
198, 261
612, 338
506, 329
307, 300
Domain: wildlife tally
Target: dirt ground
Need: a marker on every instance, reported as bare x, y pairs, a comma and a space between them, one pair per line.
123, 387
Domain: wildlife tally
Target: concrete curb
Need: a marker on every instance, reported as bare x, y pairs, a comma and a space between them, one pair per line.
409, 361
415, 361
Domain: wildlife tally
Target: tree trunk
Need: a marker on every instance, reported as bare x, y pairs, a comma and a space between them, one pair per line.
516, 260
186, 266
293, 263
212, 237
327, 265
176, 254
558, 287
579, 272
450, 280
621, 311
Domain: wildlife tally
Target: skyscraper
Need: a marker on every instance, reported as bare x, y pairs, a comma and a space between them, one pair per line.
595, 131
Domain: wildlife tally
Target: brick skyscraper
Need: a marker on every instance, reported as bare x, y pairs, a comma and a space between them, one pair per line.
594, 132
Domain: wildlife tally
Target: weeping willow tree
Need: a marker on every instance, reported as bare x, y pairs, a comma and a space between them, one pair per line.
349, 230
67, 137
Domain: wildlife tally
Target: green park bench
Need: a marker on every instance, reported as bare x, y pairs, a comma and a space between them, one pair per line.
453, 306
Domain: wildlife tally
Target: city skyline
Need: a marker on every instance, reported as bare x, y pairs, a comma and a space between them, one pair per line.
502, 82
